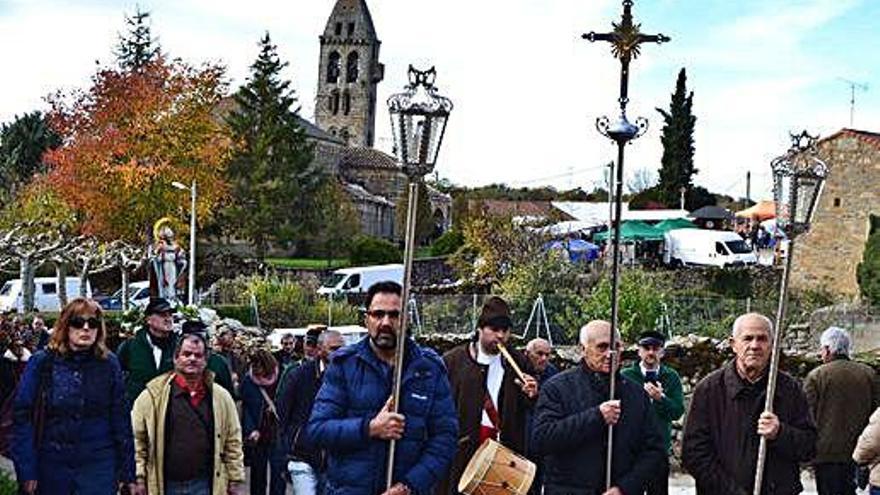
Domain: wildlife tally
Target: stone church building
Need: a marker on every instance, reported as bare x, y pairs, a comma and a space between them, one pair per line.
848, 211
344, 130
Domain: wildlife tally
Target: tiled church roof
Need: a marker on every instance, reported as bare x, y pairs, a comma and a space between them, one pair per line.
360, 157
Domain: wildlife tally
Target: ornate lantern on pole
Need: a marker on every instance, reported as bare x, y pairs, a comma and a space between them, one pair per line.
418, 122
798, 177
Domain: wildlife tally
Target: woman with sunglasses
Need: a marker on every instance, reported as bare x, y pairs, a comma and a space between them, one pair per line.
72, 432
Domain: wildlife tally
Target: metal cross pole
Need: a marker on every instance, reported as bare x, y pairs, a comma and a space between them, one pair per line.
625, 40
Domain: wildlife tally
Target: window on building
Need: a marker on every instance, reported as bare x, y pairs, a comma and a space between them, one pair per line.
333, 62
334, 101
837, 202
351, 29
338, 29
346, 102
351, 67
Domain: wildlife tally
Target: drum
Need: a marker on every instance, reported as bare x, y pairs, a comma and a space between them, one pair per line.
496, 470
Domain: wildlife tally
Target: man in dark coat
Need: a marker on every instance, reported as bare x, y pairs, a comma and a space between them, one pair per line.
571, 426
727, 418
352, 417
842, 395
491, 401
307, 464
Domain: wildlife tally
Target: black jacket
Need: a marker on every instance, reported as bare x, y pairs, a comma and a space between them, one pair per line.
299, 390
720, 445
572, 436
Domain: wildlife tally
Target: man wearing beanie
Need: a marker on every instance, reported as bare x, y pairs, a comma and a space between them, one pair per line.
490, 400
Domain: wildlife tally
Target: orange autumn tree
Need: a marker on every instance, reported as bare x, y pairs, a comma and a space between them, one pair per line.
131, 134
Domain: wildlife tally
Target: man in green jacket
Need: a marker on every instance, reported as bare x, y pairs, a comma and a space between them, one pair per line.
663, 386
151, 351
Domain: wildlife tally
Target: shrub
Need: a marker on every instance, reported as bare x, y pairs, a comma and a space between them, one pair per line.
8, 486
241, 312
447, 243
869, 270
366, 250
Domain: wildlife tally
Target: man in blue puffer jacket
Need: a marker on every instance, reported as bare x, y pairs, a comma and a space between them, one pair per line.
352, 420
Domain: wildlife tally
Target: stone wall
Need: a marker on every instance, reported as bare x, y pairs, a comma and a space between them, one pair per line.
828, 255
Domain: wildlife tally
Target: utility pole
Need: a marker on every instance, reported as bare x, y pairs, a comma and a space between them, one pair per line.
853, 85
681, 191
748, 189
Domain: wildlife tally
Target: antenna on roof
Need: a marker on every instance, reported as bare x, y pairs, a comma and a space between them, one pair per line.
853, 86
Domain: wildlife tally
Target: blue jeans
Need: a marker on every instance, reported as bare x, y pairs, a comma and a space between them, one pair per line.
91, 477
191, 487
305, 480
875, 490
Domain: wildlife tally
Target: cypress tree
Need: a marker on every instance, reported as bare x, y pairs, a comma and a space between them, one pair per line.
677, 165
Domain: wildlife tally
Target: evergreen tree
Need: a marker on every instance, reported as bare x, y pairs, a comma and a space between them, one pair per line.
677, 165
273, 178
22, 144
138, 47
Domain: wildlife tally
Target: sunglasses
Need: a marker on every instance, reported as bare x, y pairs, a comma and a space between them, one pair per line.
80, 322
381, 313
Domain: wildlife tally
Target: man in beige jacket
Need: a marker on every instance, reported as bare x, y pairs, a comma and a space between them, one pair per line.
867, 450
186, 430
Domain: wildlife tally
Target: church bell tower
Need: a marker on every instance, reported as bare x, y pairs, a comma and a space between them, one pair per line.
350, 71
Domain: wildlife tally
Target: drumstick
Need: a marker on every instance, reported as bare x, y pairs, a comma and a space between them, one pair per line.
511, 362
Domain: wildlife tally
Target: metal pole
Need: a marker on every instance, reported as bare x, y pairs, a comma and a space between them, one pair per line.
192, 246
408, 251
615, 289
774, 363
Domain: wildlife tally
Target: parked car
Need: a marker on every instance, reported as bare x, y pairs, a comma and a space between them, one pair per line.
45, 293
356, 280
706, 247
138, 295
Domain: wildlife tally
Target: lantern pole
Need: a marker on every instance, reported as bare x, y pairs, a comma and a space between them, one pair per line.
626, 40
799, 166
416, 115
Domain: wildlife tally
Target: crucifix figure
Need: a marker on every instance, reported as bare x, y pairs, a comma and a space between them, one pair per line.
626, 39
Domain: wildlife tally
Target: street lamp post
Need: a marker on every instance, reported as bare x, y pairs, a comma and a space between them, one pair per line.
626, 40
798, 177
418, 122
192, 239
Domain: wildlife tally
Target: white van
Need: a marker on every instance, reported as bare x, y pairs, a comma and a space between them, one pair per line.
45, 294
706, 247
357, 280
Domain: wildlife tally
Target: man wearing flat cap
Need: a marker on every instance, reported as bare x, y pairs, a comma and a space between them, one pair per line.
490, 400
151, 351
663, 386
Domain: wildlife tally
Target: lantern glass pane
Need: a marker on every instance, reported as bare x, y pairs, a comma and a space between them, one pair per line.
808, 187
782, 195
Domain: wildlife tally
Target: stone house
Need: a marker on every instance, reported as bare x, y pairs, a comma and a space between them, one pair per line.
848, 210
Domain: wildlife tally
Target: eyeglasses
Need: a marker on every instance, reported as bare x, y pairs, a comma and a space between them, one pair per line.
80, 322
381, 313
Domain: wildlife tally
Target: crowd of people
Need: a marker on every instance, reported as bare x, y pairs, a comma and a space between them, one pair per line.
179, 413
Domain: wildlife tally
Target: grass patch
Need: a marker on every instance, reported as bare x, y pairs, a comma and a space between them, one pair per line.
309, 263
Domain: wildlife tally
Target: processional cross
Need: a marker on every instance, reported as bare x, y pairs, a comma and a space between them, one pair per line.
626, 39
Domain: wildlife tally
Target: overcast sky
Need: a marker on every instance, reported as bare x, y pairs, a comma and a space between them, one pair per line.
526, 88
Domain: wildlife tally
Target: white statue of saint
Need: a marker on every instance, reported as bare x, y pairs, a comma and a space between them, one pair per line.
169, 262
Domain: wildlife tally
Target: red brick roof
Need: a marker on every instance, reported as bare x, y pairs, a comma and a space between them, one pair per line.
871, 138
